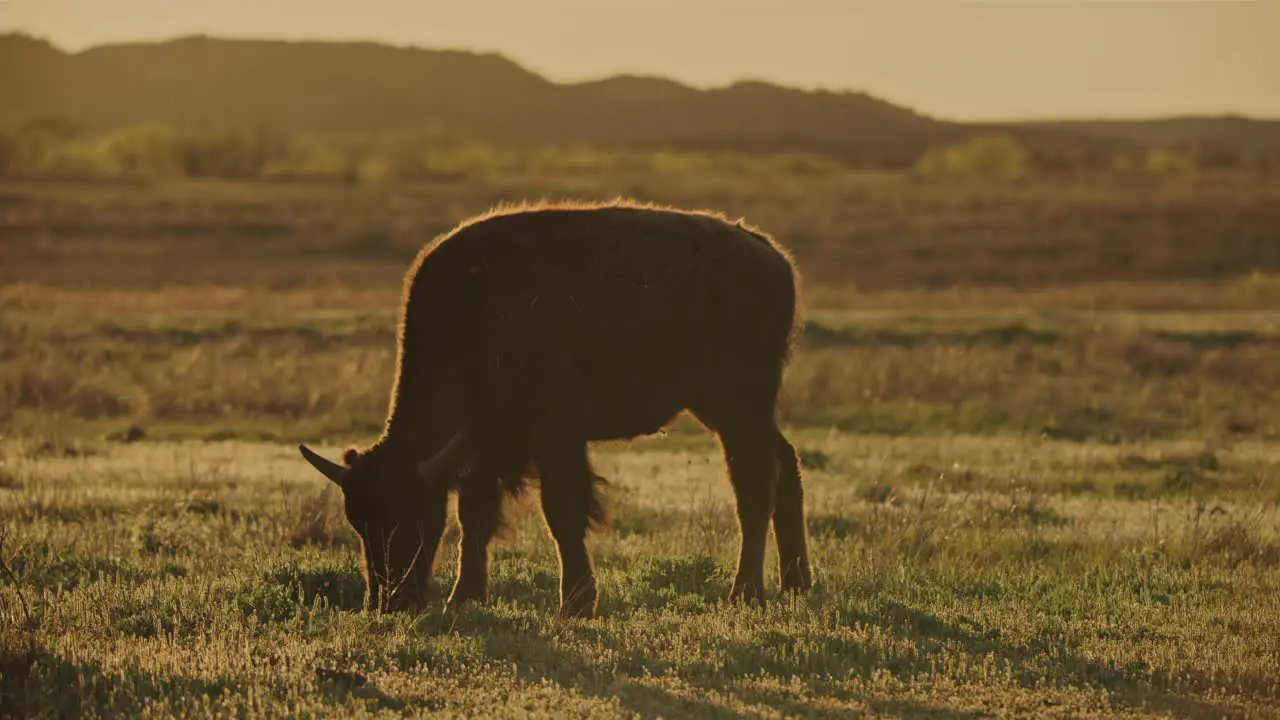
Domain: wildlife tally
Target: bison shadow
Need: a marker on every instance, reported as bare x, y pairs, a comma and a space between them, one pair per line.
695, 586
54, 685
537, 658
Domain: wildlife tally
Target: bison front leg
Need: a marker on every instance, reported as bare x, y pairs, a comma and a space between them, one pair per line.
479, 515
567, 498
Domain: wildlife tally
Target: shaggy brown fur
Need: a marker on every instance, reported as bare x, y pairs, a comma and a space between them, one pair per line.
529, 332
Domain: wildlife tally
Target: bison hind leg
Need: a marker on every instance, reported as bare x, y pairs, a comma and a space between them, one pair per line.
764, 475
789, 523
753, 471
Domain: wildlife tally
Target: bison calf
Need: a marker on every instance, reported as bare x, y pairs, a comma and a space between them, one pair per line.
525, 334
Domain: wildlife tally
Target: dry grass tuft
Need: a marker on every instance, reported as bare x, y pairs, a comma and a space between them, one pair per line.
318, 520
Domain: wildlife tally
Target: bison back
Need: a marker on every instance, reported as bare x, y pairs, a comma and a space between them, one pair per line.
624, 312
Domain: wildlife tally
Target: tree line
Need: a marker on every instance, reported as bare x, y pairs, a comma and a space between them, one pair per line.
56, 147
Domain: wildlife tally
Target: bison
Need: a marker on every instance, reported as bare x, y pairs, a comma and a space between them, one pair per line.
528, 332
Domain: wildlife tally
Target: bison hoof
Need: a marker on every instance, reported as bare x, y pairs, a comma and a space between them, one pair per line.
583, 612
796, 580
743, 594
580, 603
454, 604
466, 593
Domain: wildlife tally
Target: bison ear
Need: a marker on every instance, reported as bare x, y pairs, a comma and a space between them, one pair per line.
328, 468
350, 456
451, 456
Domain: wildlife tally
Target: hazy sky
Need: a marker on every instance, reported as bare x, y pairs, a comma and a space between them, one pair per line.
962, 59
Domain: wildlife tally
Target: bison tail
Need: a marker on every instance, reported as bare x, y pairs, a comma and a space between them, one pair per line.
597, 506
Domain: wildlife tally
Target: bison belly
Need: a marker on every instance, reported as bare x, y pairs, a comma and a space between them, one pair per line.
622, 375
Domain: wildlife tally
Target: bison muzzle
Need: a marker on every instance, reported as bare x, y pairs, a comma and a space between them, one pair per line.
529, 332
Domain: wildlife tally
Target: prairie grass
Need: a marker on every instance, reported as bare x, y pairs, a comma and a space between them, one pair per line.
309, 365
861, 231
1039, 422
995, 576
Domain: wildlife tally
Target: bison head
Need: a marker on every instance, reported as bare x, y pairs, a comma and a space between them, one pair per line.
397, 505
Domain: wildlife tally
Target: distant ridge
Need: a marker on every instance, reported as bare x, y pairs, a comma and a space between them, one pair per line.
367, 87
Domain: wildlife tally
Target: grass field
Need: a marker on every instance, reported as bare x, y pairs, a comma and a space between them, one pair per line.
1042, 480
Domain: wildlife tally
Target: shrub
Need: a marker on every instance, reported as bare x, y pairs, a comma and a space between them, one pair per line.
1161, 161
152, 150
992, 157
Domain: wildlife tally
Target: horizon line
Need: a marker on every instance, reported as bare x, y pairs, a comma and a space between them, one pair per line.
638, 74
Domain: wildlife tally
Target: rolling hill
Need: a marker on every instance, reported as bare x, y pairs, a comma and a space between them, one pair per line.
369, 88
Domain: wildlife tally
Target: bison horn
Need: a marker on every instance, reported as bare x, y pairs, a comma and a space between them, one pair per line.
328, 468
445, 457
